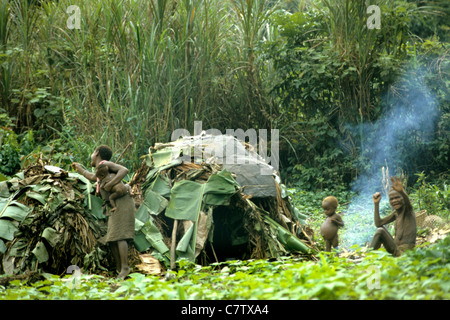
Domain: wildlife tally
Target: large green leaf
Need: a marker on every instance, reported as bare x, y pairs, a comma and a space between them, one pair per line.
96, 207
140, 242
51, 236
219, 188
185, 200
165, 156
154, 237
41, 253
138, 224
287, 239
13, 210
161, 185
187, 196
7, 229
37, 196
2, 247
142, 216
155, 202
87, 186
4, 190
18, 248
146, 233
186, 245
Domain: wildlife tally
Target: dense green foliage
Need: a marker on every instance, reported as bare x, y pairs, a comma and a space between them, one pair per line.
419, 274
338, 80
134, 71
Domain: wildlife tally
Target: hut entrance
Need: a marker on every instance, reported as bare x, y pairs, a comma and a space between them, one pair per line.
230, 240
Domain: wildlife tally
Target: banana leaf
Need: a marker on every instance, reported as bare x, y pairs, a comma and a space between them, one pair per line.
140, 242
141, 217
155, 202
160, 185
51, 236
186, 245
219, 188
37, 196
87, 186
41, 253
4, 203
13, 210
96, 208
154, 237
287, 239
146, 233
4, 190
187, 196
165, 156
7, 229
185, 200
2, 247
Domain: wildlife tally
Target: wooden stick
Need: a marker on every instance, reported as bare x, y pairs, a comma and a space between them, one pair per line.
173, 245
214, 252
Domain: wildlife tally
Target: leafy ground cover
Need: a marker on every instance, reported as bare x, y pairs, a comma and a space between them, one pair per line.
420, 274
423, 273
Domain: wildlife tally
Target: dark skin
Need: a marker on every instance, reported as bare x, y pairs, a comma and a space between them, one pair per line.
118, 248
329, 228
118, 190
404, 217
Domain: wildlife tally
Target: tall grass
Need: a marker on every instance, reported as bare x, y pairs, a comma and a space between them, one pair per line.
137, 70
356, 44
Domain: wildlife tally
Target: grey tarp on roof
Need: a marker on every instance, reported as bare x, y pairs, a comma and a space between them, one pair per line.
252, 172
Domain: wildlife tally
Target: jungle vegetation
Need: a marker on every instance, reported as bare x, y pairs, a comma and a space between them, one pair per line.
349, 97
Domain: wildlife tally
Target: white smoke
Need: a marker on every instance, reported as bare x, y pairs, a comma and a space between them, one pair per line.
394, 142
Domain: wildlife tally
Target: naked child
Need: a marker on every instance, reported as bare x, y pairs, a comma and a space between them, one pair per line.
105, 176
329, 228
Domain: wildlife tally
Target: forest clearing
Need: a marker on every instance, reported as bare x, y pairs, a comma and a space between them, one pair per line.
230, 124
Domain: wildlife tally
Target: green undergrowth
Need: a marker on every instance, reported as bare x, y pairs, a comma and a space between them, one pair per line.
422, 273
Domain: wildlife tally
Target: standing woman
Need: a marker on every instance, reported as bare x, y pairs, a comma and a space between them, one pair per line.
121, 221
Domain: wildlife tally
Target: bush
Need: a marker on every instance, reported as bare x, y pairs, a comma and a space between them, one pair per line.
432, 197
9, 147
337, 82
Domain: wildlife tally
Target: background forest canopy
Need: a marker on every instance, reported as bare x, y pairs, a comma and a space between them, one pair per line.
347, 99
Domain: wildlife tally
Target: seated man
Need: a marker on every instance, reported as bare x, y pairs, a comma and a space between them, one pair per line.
405, 221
